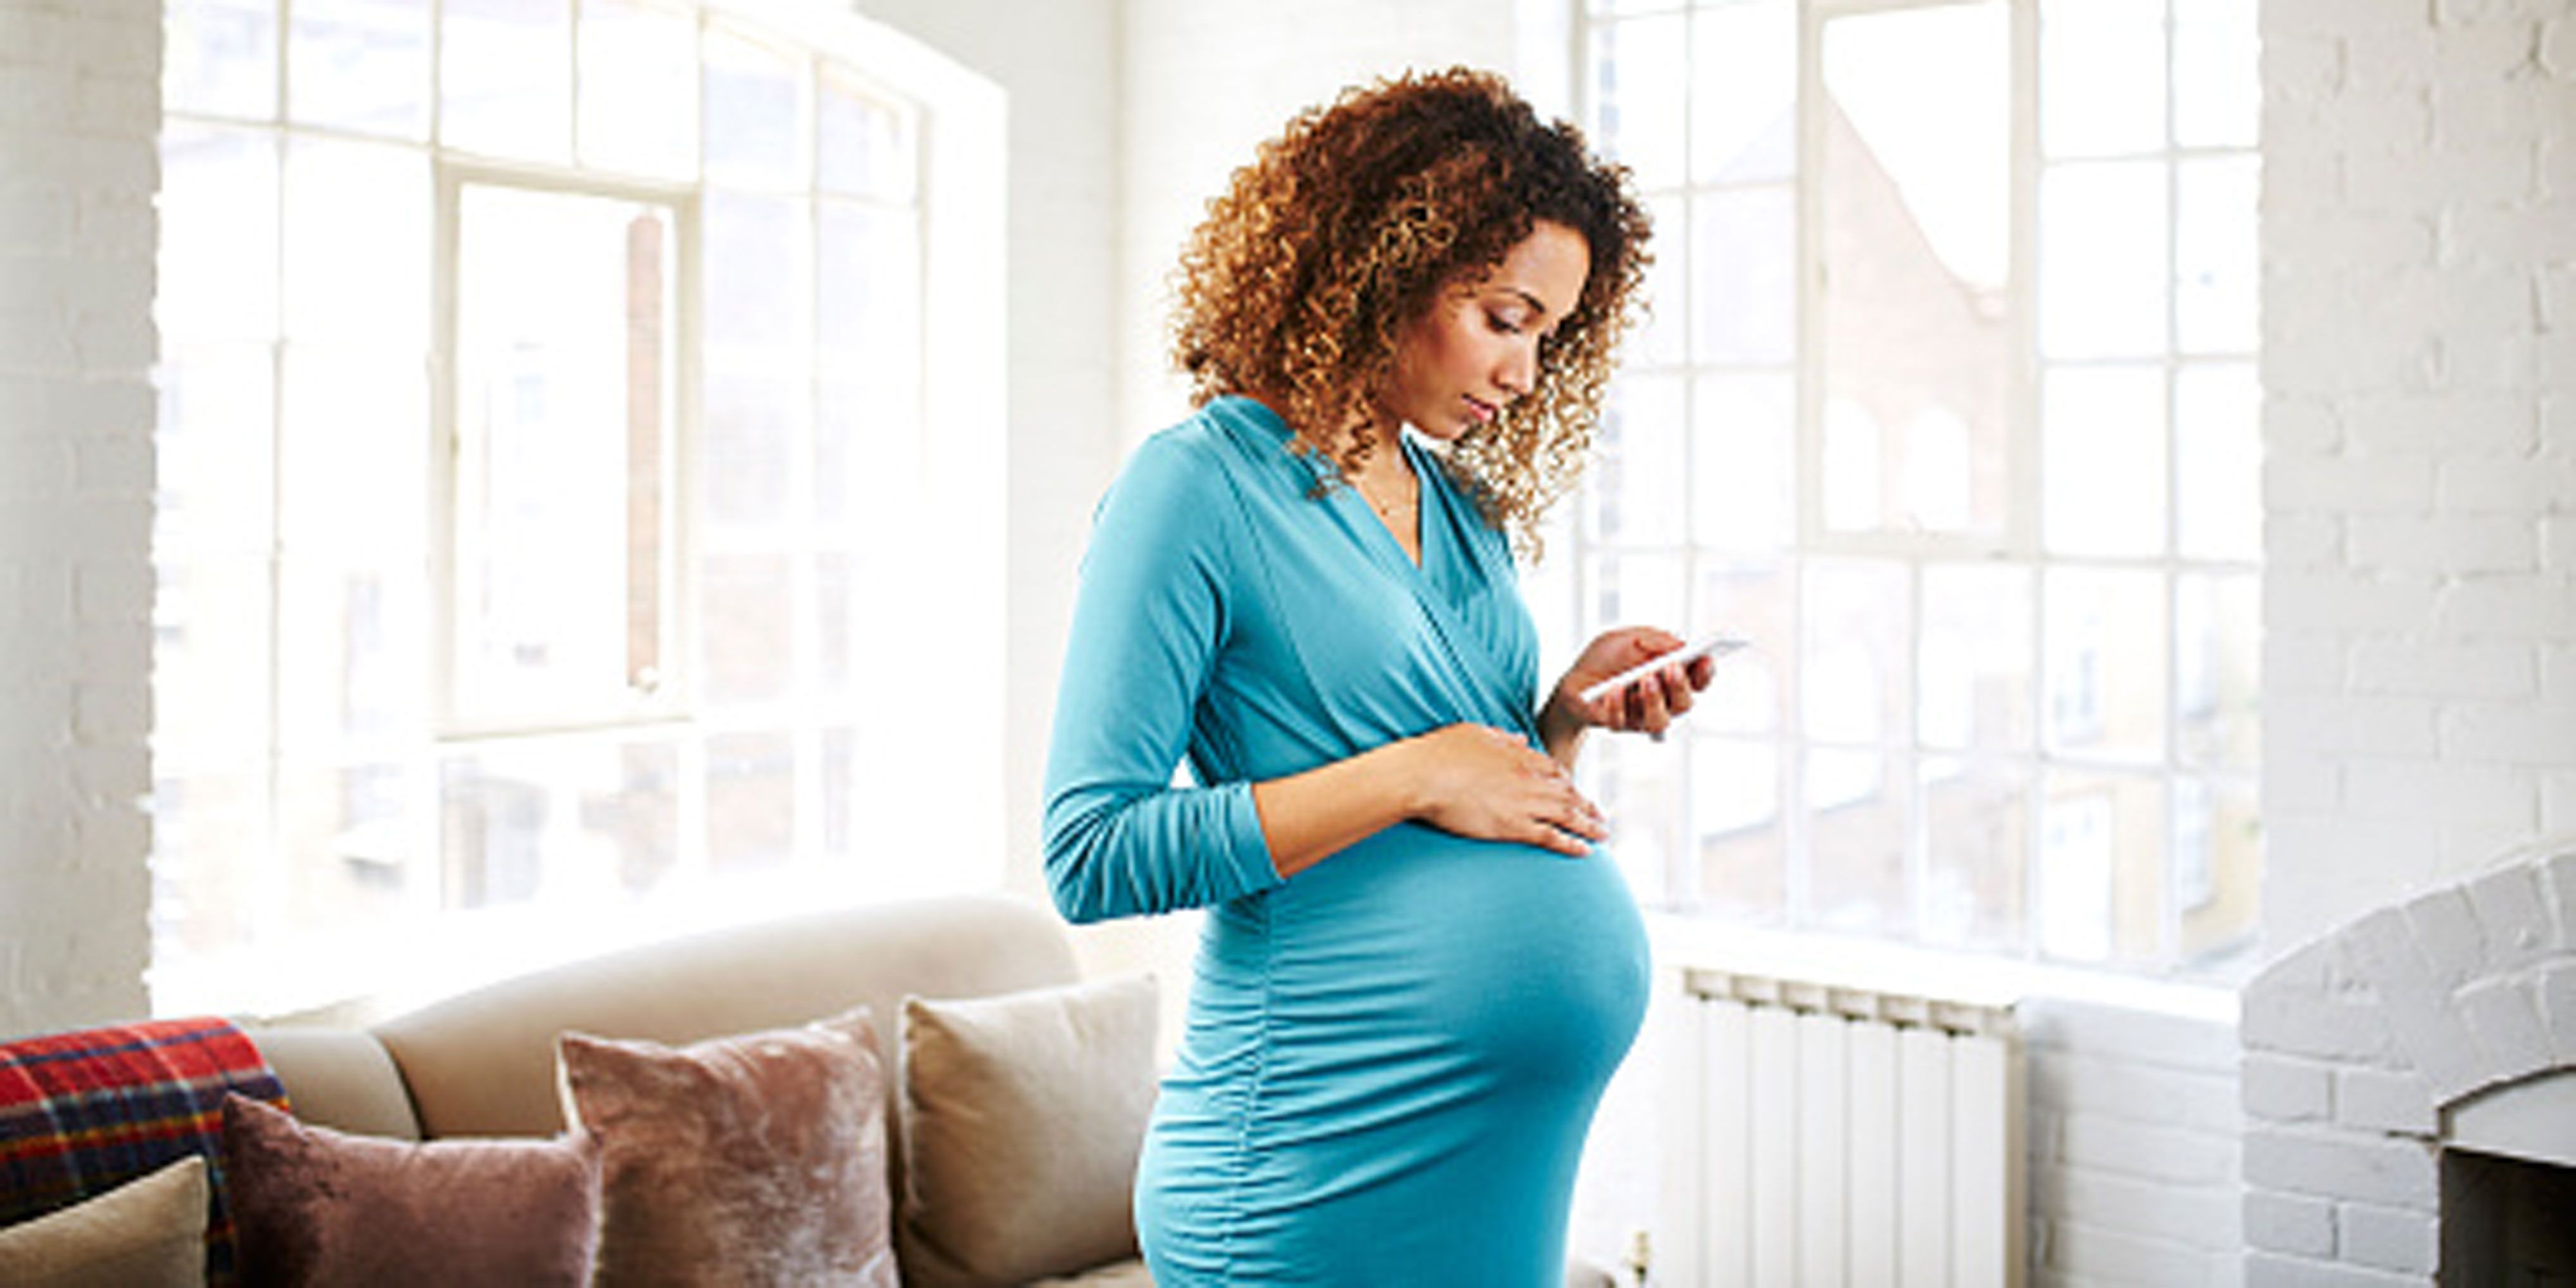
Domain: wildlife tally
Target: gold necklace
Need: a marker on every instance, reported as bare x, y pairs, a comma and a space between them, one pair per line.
1388, 510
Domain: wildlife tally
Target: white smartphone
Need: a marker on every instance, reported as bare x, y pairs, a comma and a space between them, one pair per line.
1717, 645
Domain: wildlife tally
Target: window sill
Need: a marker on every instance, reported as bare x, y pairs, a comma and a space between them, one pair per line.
1684, 942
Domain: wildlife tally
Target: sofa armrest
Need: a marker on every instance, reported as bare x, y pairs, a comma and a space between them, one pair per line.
340, 1078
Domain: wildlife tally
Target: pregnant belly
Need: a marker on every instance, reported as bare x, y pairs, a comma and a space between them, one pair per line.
1504, 960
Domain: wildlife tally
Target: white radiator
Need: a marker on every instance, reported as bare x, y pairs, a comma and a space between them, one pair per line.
1819, 1136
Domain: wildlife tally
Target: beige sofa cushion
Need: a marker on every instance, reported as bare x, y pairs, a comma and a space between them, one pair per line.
1023, 1116
147, 1233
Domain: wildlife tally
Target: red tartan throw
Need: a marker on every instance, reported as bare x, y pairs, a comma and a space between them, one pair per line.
82, 1113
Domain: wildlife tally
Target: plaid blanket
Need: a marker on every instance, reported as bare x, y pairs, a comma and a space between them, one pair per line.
82, 1113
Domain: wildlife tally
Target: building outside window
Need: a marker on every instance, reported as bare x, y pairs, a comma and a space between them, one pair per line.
1948, 403
535, 374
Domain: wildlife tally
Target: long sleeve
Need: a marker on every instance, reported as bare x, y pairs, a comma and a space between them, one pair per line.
1121, 839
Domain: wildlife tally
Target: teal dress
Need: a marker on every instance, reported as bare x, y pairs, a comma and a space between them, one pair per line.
1391, 1061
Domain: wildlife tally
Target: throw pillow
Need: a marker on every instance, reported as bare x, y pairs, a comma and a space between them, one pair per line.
1022, 1118
313, 1206
147, 1233
763, 1154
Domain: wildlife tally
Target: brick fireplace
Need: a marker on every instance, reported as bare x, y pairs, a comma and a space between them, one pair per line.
2399, 1051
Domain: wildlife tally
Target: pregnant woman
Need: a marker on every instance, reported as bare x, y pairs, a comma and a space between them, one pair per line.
1417, 972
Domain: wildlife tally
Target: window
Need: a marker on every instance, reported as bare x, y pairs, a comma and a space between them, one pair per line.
543, 398
1948, 402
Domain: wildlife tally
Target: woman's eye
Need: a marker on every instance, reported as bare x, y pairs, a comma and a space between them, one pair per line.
1504, 323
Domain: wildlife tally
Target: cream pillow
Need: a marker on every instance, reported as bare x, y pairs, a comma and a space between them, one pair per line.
1022, 1118
148, 1232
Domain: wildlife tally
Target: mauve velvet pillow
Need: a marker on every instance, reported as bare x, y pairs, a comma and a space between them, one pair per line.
1023, 1116
751, 1160
321, 1208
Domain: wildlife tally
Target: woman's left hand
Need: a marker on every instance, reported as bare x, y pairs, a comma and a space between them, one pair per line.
1647, 706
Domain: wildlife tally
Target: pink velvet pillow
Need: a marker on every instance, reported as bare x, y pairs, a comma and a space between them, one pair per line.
313, 1206
760, 1158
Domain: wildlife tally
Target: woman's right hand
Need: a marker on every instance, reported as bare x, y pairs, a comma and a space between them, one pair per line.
1479, 781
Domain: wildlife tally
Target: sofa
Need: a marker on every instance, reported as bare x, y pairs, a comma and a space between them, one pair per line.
986, 982
1012, 1096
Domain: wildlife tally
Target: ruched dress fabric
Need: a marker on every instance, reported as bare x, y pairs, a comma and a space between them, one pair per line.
1391, 1061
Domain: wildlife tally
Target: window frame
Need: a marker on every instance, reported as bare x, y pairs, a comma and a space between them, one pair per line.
2036, 763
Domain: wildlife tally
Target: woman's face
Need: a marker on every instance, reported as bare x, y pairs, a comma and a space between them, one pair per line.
1476, 348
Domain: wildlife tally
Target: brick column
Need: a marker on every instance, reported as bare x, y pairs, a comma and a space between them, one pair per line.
80, 108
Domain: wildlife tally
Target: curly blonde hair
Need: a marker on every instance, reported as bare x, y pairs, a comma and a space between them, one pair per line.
1350, 224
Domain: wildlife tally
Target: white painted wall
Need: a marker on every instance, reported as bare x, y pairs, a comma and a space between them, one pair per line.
2419, 362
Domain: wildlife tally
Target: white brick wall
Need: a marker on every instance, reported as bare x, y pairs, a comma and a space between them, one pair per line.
2419, 215
2356, 1041
2133, 1134
79, 106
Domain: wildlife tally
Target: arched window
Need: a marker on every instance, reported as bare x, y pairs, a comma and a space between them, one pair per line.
548, 425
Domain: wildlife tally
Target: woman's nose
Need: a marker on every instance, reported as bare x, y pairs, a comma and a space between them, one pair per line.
1520, 370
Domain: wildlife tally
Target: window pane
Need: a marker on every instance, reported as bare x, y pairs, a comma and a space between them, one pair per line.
354, 449
2216, 283
568, 823
2102, 460
210, 663
639, 87
2103, 871
746, 449
1856, 811
1639, 484
208, 829
1758, 601
2102, 76
2218, 635
1919, 341
219, 58
1854, 687
2102, 288
2104, 654
867, 322
1735, 810
1977, 670
356, 841
1976, 839
1663, 333
758, 282
218, 266
1743, 288
2218, 82
1744, 92
357, 243
757, 121
505, 73
215, 483
864, 147
751, 800
1634, 590
2217, 863
1638, 785
1744, 447
356, 641
359, 65
748, 620
562, 404
836, 622
843, 811
1641, 76
2218, 468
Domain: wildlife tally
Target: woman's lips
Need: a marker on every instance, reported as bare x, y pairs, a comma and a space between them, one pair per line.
1480, 411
